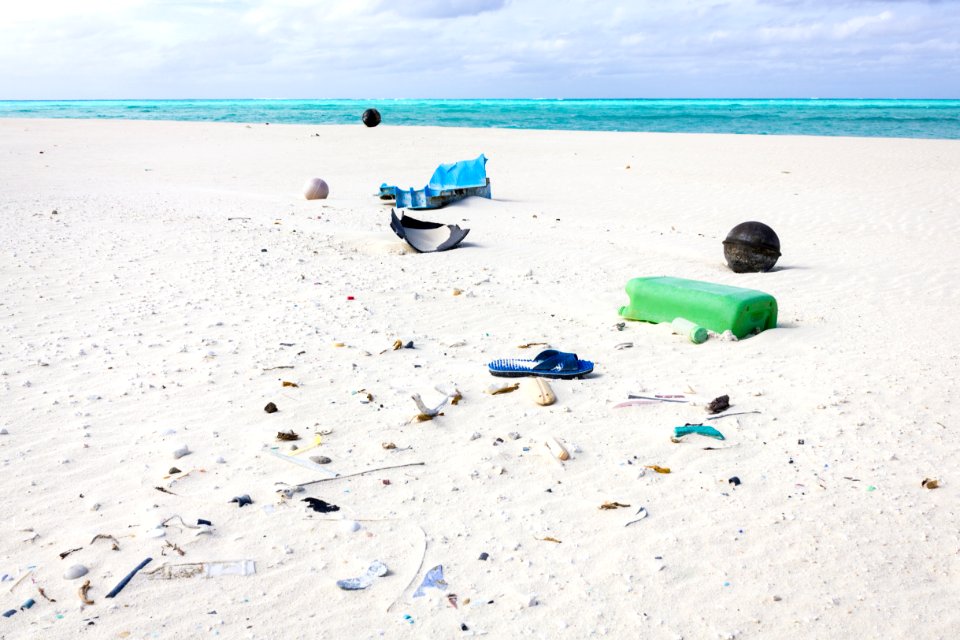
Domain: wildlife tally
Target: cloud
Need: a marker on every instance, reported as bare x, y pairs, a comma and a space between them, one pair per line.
444, 8
477, 48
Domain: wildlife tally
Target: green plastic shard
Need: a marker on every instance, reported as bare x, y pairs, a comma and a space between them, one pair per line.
699, 429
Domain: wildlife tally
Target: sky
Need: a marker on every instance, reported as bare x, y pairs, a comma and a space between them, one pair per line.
102, 49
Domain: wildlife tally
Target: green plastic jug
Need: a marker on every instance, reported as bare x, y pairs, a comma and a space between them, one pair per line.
716, 307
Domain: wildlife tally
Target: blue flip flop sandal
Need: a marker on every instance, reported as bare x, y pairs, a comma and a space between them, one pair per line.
548, 364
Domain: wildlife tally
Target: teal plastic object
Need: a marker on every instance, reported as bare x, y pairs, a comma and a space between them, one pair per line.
699, 429
716, 307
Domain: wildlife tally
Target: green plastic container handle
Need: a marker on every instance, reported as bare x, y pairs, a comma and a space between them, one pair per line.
694, 332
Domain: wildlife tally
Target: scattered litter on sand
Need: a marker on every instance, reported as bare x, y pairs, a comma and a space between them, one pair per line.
719, 404
607, 506
698, 429
432, 580
376, 570
320, 506
126, 579
556, 449
658, 468
640, 515
206, 569
84, 588
502, 387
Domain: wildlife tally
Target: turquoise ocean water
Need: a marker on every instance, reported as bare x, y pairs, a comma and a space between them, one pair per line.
864, 118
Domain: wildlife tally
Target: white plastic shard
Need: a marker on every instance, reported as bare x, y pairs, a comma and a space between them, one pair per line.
427, 237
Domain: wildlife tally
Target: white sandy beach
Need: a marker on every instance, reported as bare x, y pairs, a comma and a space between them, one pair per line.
151, 273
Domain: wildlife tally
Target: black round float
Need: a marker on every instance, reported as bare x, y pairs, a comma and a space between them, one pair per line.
371, 117
751, 247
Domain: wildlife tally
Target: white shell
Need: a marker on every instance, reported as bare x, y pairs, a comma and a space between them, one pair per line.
74, 572
182, 451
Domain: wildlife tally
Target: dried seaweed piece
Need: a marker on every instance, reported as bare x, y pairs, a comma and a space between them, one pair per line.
550, 539
287, 383
658, 468
170, 545
721, 403
288, 435
45, 596
84, 588
165, 490
68, 552
612, 505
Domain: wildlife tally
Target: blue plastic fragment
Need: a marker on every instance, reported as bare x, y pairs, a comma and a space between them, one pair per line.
434, 578
7, 614
120, 585
29, 603
449, 183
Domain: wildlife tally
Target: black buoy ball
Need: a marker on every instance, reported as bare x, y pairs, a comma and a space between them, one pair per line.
751, 247
371, 117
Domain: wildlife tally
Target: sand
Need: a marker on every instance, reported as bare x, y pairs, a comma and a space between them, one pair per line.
153, 276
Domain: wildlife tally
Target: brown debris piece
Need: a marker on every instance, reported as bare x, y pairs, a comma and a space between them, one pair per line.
105, 536
550, 539
930, 483
287, 383
397, 345
83, 593
457, 292
270, 408
164, 490
170, 545
288, 436
612, 505
388, 445
68, 552
45, 596
719, 404
505, 389
532, 344
658, 468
